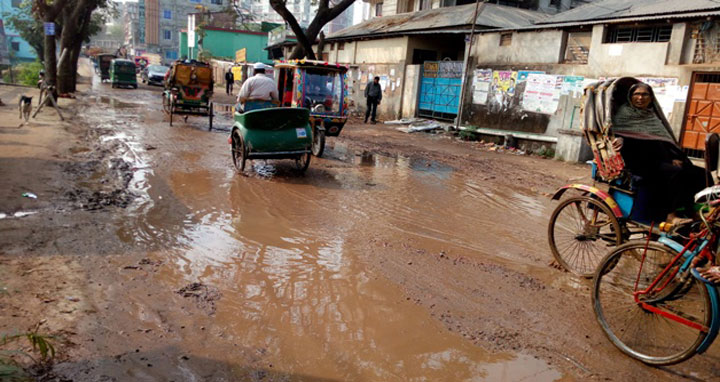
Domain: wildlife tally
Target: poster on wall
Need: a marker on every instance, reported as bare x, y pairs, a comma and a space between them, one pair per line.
504, 81
666, 91
542, 93
572, 85
384, 82
523, 74
482, 78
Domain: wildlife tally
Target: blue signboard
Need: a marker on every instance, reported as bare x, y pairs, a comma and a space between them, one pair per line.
49, 29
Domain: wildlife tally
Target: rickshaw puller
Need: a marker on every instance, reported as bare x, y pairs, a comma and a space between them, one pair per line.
259, 87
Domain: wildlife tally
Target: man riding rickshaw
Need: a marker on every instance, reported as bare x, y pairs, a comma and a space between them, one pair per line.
264, 131
649, 178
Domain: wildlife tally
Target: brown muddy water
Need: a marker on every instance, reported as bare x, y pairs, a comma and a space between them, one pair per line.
285, 250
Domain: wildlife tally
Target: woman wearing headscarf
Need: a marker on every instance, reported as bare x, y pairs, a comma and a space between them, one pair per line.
650, 151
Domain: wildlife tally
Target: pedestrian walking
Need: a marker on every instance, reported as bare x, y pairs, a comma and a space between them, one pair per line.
373, 93
229, 81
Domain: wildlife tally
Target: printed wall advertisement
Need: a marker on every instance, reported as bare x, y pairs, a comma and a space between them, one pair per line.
666, 91
482, 78
572, 85
504, 82
523, 74
542, 93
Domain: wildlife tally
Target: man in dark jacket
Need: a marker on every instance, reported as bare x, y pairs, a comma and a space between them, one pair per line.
229, 80
373, 93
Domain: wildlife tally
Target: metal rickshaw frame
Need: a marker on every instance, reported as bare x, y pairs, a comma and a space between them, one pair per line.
189, 90
324, 124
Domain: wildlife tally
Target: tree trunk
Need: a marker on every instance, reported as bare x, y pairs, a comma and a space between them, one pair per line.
321, 46
50, 58
75, 27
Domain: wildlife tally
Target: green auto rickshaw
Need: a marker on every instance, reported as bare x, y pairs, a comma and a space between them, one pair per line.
123, 73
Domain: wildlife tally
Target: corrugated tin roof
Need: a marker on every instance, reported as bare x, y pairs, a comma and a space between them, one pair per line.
615, 9
489, 16
604, 21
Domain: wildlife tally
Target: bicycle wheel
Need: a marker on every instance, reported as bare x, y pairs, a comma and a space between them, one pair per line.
581, 231
636, 330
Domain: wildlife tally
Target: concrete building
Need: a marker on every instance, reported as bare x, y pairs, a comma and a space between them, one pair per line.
223, 43
396, 47
16, 49
154, 25
675, 46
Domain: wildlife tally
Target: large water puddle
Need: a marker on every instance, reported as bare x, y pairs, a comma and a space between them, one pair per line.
282, 249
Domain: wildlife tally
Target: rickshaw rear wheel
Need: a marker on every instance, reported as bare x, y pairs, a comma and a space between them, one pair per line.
318, 142
171, 112
581, 231
239, 152
303, 162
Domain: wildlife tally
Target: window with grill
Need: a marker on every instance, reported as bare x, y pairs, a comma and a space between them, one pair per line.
621, 34
506, 39
15, 46
378, 9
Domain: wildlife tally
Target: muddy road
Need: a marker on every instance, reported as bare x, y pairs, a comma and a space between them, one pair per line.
395, 257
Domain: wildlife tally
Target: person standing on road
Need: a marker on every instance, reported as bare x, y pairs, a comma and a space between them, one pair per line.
373, 93
258, 87
229, 81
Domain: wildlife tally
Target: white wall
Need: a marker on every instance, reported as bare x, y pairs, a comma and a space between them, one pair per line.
386, 51
526, 48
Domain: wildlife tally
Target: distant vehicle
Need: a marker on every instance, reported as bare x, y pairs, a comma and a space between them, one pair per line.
122, 73
154, 74
141, 63
189, 90
104, 61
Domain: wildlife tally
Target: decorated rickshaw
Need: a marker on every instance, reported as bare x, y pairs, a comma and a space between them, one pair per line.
596, 218
319, 87
188, 90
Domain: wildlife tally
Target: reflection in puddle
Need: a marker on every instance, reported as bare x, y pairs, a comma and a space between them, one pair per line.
288, 256
19, 214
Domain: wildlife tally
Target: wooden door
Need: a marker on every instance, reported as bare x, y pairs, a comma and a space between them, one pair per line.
703, 112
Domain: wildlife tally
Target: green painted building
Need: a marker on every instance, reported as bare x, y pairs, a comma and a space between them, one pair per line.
222, 43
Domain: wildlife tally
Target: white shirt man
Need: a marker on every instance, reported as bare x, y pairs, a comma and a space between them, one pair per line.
258, 87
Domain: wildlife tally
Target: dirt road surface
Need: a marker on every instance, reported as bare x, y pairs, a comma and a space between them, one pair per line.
396, 257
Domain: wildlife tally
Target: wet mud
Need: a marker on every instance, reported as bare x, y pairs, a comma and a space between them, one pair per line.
395, 257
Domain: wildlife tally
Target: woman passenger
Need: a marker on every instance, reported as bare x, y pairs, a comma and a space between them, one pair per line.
650, 151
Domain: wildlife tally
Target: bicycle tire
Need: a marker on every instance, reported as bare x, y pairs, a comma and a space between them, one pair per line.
639, 333
579, 249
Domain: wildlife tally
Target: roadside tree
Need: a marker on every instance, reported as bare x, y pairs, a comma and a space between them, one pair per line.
326, 12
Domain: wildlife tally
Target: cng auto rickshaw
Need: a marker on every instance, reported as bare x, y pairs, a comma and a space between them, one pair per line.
188, 90
319, 87
123, 73
104, 61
